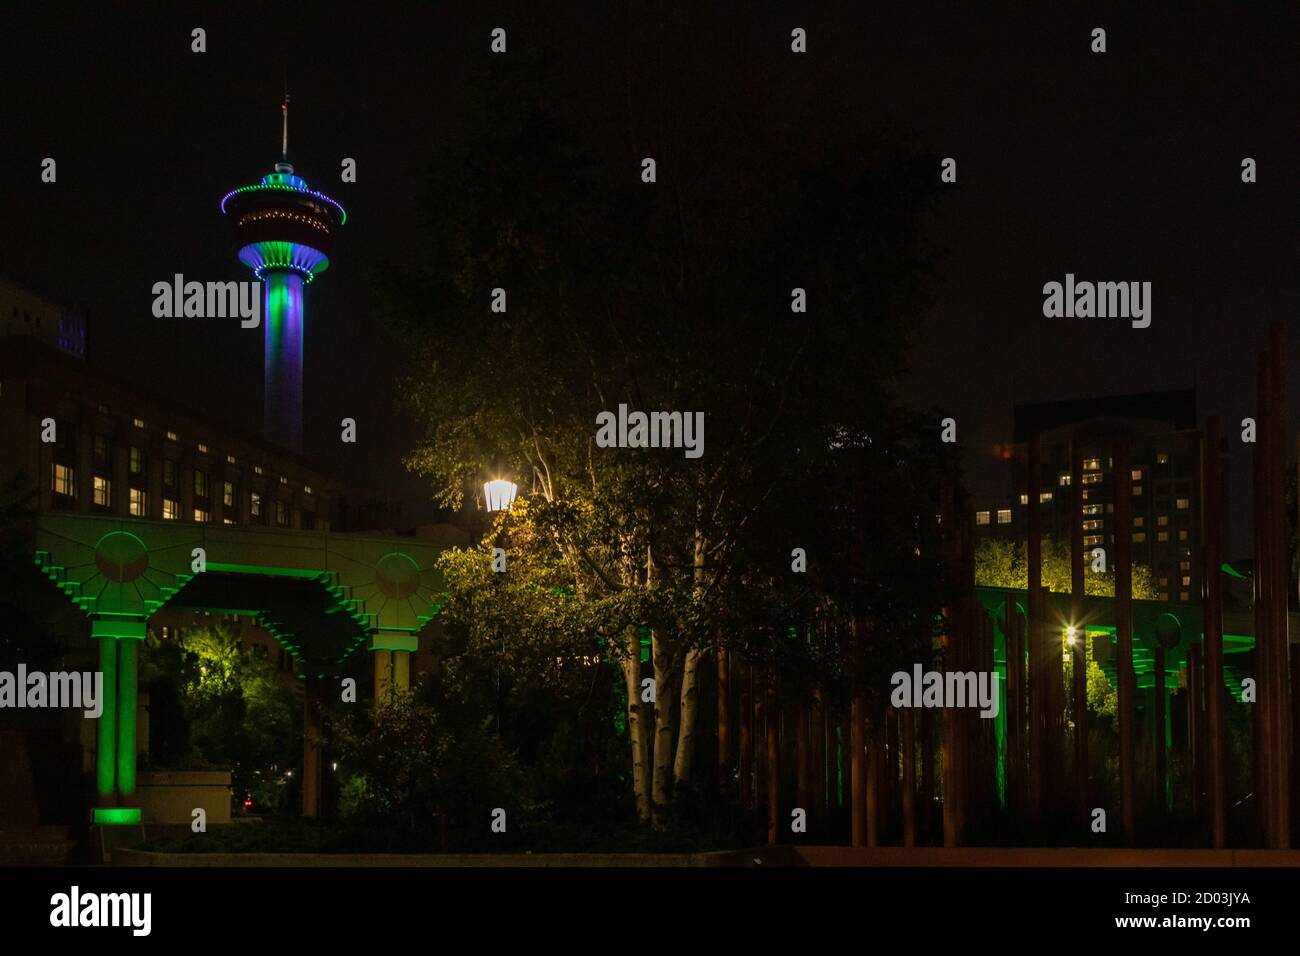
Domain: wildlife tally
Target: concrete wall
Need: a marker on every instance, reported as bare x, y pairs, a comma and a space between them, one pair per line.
171, 796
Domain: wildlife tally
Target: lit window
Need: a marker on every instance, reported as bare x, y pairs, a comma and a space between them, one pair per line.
307, 490
138, 422
284, 480
1024, 499
201, 483
1162, 596
1093, 539
1184, 565
202, 514
203, 449
63, 481
255, 505
230, 459
1164, 582
1044, 496
1162, 520
171, 436
228, 495
103, 492
257, 469
227, 520
281, 514
1182, 596
1182, 503
1187, 580
1137, 490
1137, 474
102, 449
171, 509
104, 409
1182, 535
1092, 478
1139, 522
1094, 524
1139, 537
1162, 536
1092, 509
1064, 479
1162, 458
1092, 464
139, 503
169, 473
981, 517
1004, 516
137, 461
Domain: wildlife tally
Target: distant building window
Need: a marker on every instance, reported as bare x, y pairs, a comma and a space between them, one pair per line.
1094, 524
228, 494
171, 509
202, 514
1024, 499
1093, 539
1162, 596
1187, 580
138, 422
230, 459
1162, 520
1164, 582
981, 517
1092, 509
104, 409
1092, 464
103, 492
139, 503
1004, 516
1137, 490
1092, 478
169, 473
102, 446
63, 481
227, 520
1139, 522
1044, 496
201, 483
281, 514
137, 461
1137, 474
1139, 537
1182, 535
1162, 536
203, 449
284, 480
1184, 565
1064, 479
1182, 503
1183, 596
255, 505
171, 436
307, 490
257, 469
1162, 458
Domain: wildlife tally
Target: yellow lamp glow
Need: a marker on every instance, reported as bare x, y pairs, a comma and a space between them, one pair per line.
499, 494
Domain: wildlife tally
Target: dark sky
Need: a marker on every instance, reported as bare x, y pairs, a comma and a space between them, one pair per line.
1119, 166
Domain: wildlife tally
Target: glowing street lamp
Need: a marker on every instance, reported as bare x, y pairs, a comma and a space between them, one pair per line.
499, 494
1070, 636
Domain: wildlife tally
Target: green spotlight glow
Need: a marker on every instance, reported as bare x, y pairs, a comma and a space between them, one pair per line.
116, 816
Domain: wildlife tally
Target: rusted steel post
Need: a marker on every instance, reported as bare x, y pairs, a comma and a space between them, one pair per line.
907, 743
724, 722
1122, 477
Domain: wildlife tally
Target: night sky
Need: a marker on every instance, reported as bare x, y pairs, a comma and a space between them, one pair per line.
1123, 166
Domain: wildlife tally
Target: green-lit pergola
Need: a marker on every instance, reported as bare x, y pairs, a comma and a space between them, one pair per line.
322, 595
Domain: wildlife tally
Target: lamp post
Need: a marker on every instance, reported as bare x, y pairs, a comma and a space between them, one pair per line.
499, 494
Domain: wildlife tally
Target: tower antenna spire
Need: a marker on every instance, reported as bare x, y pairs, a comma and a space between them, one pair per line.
284, 114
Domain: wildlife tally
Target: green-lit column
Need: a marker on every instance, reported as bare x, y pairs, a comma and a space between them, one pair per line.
127, 659
392, 648
105, 757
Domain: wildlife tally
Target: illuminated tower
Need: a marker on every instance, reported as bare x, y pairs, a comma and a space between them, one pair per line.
283, 232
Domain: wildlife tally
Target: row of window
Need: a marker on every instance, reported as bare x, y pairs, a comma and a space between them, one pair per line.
982, 517
63, 481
